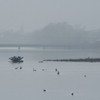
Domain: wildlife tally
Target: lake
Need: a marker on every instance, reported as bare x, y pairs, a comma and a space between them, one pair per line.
80, 79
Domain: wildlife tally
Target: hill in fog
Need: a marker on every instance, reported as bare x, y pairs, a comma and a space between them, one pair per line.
54, 34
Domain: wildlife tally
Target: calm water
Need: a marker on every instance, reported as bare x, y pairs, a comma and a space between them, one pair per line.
34, 55
41, 54
26, 84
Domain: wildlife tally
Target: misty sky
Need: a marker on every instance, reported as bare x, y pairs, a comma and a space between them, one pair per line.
35, 14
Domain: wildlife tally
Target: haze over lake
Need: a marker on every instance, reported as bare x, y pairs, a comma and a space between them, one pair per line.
33, 31
81, 79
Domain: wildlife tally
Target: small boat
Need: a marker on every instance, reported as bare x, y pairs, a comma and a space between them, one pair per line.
16, 59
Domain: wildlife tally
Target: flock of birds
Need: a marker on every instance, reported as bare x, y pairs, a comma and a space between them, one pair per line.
56, 70
58, 73
18, 67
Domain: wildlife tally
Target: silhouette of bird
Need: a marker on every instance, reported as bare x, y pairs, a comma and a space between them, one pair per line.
34, 69
84, 75
16, 68
20, 67
58, 72
44, 90
56, 69
40, 61
42, 69
72, 94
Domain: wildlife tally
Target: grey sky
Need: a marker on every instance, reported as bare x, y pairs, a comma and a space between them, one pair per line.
35, 14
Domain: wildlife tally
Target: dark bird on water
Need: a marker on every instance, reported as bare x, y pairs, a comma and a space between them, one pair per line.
16, 68
40, 61
34, 69
58, 73
84, 75
44, 90
56, 69
42, 69
20, 67
72, 94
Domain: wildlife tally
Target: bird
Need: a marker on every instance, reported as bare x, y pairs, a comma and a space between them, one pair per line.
72, 94
42, 69
58, 73
44, 90
34, 69
40, 61
56, 69
84, 75
16, 68
20, 67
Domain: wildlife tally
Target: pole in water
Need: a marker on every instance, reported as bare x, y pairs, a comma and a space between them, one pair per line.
18, 48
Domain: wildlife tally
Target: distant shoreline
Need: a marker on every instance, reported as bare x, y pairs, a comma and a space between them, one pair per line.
74, 60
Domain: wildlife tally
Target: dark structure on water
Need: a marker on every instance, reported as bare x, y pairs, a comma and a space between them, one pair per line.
16, 59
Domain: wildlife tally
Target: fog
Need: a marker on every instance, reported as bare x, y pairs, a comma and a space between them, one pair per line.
36, 37
54, 34
36, 14
71, 23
